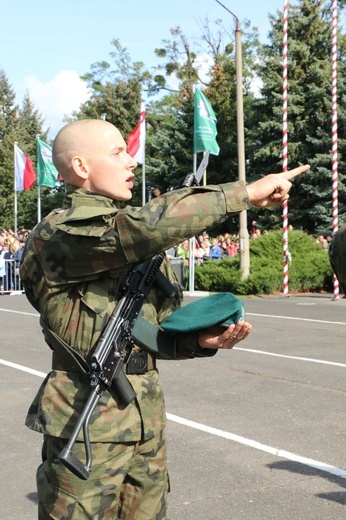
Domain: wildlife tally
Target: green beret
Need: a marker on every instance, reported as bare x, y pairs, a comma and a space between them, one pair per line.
219, 309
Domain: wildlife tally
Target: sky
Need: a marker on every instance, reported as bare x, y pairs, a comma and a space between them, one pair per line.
46, 46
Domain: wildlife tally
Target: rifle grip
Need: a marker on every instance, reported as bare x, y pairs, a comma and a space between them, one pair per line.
122, 385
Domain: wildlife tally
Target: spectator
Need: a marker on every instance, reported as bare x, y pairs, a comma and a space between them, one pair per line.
183, 252
215, 250
232, 247
17, 252
6, 268
224, 247
156, 192
198, 253
206, 248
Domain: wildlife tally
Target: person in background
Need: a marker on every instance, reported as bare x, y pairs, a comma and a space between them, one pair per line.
6, 268
156, 192
215, 250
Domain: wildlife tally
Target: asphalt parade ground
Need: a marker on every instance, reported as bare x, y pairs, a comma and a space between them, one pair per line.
256, 433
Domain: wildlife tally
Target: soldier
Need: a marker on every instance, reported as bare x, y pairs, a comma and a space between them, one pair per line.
72, 268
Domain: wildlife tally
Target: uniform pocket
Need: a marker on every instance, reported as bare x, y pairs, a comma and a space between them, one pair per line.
55, 502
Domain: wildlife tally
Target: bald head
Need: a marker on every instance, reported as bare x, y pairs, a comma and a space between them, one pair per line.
91, 154
80, 138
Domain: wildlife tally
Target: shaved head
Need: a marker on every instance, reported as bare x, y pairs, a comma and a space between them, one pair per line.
91, 154
79, 138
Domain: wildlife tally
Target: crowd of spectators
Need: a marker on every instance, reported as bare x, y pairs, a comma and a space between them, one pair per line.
11, 250
205, 248
324, 241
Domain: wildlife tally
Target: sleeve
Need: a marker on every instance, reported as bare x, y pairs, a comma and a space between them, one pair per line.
188, 347
105, 239
175, 216
157, 308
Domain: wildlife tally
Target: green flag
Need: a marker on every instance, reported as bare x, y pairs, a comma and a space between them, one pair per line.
47, 174
204, 137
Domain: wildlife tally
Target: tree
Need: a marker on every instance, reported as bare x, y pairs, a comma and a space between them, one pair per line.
30, 125
115, 90
213, 67
8, 127
170, 141
309, 115
17, 125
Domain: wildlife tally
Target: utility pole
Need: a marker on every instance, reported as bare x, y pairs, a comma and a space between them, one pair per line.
244, 245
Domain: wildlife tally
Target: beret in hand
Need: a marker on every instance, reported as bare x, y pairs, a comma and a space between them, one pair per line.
218, 309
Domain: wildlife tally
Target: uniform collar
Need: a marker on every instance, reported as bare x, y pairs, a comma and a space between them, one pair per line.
76, 197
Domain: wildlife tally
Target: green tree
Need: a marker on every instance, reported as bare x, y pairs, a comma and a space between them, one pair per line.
116, 90
30, 125
211, 64
8, 128
17, 125
169, 147
309, 115
221, 92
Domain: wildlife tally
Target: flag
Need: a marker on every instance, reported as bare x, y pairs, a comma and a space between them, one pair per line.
47, 174
24, 173
136, 139
204, 137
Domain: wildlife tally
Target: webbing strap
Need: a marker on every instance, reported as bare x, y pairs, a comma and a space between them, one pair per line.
74, 361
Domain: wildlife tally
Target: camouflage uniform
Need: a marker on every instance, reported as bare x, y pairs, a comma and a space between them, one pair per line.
72, 268
337, 256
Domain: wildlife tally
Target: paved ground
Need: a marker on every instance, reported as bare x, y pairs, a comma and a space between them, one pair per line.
258, 433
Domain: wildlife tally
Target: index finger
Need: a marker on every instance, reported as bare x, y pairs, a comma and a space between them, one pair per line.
290, 174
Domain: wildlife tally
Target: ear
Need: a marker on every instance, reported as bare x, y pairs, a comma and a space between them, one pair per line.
80, 167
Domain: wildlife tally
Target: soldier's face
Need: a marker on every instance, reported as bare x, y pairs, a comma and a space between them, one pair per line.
110, 166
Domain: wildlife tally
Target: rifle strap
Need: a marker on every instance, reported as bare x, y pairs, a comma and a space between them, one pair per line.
147, 336
63, 354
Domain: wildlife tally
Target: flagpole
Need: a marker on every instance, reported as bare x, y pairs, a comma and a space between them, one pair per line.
143, 177
244, 243
335, 176
192, 244
143, 137
38, 186
38, 204
285, 250
15, 188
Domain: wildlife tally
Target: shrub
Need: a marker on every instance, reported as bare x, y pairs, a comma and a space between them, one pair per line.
309, 271
222, 276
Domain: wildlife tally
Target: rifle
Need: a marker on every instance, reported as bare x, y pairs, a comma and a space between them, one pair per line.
112, 352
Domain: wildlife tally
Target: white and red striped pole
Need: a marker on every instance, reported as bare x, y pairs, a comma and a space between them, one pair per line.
335, 133
284, 151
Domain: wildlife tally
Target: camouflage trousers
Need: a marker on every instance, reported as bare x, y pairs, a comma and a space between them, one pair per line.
127, 482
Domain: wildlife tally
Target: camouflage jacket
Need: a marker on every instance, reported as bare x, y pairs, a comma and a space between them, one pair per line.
337, 256
73, 264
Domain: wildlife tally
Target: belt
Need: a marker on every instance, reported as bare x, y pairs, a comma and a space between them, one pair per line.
140, 362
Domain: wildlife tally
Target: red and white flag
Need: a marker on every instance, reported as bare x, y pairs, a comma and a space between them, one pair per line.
136, 139
24, 173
